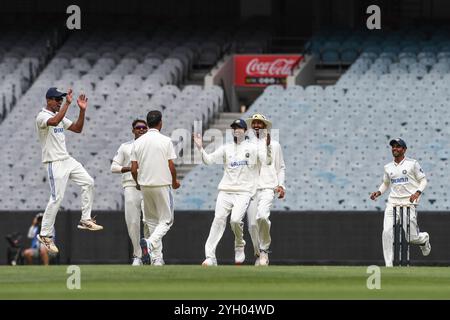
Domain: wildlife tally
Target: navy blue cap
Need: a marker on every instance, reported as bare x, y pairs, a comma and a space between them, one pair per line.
54, 93
398, 141
239, 123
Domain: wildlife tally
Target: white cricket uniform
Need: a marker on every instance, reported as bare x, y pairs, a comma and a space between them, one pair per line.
242, 163
152, 151
258, 213
61, 167
133, 197
404, 178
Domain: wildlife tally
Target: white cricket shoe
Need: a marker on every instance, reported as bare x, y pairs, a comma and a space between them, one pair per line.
263, 258
209, 262
158, 262
257, 262
426, 247
137, 261
48, 243
89, 224
239, 255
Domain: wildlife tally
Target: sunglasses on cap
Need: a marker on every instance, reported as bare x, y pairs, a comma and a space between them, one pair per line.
140, 128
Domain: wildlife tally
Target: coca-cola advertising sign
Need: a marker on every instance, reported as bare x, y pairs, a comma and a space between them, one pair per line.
263, 70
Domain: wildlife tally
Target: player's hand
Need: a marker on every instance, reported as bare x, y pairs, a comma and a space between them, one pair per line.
280, 192
138, 187
414, 197
69, 96
375, 195
198, 140
82, 102
176, 184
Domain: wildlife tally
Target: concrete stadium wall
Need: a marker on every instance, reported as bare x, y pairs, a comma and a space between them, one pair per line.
343, 238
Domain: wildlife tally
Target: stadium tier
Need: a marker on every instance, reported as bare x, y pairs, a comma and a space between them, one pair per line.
122, 85
335, 139
22, 56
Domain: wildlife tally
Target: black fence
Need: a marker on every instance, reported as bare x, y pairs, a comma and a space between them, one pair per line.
341, 238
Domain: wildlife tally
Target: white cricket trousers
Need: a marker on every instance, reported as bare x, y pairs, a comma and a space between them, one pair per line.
388, 231
59, 173
133, 205
158, 215
258, 214
227, 202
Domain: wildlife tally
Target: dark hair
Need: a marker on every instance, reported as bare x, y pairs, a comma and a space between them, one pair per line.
154, 118
136, 121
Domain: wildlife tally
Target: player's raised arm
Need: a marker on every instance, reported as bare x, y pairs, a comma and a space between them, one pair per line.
77, 126
265, 151
54, 100
212, 158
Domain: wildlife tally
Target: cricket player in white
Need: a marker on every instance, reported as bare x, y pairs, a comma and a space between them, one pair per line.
242, 162
153, 154
407, 181
270, 182
51, 124
133, 197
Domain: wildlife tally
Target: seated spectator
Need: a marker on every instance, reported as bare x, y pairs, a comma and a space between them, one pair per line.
37, 251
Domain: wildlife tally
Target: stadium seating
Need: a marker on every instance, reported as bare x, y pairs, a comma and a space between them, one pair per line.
22, 56
122, 85
335, 139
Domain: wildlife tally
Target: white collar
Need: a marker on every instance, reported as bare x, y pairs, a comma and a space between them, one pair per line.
48, 111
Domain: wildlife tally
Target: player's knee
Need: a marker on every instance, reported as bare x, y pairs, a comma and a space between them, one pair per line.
90, 182
27, 253
220, 220
263, 219
387, 233
234, 221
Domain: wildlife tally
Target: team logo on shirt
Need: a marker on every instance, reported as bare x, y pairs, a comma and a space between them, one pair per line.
235, 164
247, 155
399, 180
404, 171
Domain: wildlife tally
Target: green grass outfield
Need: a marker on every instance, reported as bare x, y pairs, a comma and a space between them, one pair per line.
224, 282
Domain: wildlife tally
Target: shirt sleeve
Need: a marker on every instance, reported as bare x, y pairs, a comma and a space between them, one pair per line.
117, 163
385, 184
418, 171
264, 152
213, 158
42, 119
280, 167
171, 155
133, 155
66, 123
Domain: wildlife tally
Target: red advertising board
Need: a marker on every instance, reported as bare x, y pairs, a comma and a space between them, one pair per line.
262, 70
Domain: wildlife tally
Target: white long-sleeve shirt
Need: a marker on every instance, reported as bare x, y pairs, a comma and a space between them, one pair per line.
242, 163
273, 175
123, 159
404, 178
